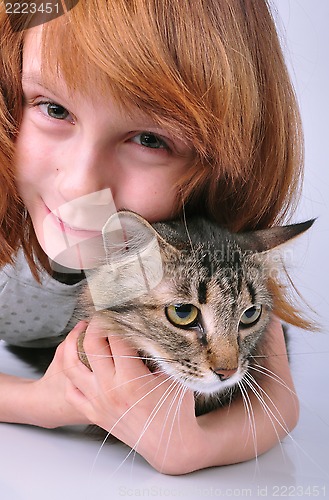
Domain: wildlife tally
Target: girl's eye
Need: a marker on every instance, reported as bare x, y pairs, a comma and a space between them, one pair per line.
54, 110
183, 315
250, 316
150, 140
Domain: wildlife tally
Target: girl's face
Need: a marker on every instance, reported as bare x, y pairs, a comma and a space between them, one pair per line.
81, 158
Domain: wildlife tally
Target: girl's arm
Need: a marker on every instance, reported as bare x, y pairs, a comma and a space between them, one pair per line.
41, 402
149, 412
140, 408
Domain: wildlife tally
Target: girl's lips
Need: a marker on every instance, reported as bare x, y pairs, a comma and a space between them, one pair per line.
66, 228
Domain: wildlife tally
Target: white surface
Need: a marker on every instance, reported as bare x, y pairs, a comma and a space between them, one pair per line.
40, 464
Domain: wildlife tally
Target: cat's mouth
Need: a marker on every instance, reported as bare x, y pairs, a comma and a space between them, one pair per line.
207, 382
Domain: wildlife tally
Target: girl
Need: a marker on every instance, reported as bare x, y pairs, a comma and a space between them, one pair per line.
165, 106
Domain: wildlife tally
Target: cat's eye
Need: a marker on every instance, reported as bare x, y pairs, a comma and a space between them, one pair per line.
183, 315
250, 316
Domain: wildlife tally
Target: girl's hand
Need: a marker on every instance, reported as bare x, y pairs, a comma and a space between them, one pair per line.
44, 402
48, 396
151, 414
254, 424
145, 410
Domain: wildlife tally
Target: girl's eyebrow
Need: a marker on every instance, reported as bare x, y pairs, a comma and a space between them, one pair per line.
35, 79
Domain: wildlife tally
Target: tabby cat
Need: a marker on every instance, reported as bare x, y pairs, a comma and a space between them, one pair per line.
192, 298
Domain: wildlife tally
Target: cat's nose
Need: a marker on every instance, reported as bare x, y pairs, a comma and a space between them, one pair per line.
224, 374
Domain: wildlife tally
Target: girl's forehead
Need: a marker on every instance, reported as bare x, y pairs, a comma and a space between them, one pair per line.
38, 77
39, 71
32, 49
135, 74
35, 67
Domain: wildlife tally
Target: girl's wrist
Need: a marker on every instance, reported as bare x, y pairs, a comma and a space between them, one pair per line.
15, 399
187, 454
49, 409
31, 402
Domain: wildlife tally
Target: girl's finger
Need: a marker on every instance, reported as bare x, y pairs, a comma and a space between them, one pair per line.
69, 346
126, 360
97, 349
74, 369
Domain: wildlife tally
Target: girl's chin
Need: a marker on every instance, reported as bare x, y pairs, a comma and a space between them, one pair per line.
66, 247
86, 254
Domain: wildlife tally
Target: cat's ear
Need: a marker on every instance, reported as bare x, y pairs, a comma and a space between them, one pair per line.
133, 263
264, 240
127, 234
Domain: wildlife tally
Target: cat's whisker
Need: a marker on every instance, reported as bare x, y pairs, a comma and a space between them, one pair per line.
276, 378
154, 412
272, 375
268, 356
127, 356
149, 419
180, 392
247, 409
186, 227
252, 426
147, 375
179, 404
291, 354
251, 416
232, 392
119, 420
265, 371
258, 391
269, 373
283, 425
249, 380
123, 356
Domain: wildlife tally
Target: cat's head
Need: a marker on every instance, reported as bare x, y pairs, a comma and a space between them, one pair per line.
192, 297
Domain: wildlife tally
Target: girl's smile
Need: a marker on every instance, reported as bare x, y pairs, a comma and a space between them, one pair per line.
80, 158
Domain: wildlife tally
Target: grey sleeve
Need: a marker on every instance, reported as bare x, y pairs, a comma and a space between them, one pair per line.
35, 313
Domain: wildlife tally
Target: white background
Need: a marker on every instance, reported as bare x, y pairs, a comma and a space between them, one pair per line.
62, 465
306, 42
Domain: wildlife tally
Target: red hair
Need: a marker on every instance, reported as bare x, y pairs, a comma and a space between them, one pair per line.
214, 74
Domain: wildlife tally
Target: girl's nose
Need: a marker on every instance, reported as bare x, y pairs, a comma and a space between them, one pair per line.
87, 170
86, 190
